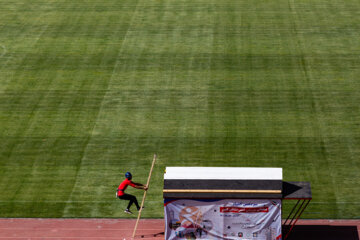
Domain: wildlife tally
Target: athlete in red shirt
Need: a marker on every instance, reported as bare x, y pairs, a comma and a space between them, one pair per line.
120, 193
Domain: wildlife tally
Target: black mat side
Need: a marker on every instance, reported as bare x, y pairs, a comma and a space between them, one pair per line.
223, 184
222, 196
296, 190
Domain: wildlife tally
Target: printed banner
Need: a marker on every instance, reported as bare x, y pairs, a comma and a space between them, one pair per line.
245, 219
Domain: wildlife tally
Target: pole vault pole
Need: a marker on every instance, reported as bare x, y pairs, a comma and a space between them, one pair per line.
143, 200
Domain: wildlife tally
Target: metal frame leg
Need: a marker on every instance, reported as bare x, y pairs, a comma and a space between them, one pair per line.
296, 216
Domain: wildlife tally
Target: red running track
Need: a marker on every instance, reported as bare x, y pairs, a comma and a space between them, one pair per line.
34, 228
53, 229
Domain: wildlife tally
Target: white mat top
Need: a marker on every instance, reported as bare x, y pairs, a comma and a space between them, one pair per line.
223, 173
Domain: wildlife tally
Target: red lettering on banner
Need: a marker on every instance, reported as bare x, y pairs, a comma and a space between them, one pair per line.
243, 210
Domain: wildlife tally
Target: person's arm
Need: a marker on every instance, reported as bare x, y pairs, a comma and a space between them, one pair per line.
140, 186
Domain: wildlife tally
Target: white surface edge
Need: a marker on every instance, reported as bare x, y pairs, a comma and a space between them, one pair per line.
223, 173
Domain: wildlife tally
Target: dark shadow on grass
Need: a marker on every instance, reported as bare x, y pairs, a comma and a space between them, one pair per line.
324, 232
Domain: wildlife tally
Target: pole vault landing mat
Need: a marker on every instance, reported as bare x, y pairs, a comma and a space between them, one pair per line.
34, 228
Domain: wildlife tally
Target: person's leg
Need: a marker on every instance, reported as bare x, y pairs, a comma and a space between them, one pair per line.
136, 203
132, 199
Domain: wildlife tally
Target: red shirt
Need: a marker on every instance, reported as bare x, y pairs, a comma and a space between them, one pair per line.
122, 187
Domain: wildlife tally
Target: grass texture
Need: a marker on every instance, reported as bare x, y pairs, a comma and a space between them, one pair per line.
91, 89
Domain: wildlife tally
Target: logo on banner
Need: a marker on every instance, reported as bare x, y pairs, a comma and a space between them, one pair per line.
190, 217
191, 224
243, 209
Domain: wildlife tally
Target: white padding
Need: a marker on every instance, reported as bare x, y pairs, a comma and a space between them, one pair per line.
223, 173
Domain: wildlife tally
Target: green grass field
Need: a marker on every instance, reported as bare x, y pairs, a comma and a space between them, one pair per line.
91, 89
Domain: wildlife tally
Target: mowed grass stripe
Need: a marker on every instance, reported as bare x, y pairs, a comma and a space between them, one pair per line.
80, 169
31, 185
83, 170
109, 121
321, 127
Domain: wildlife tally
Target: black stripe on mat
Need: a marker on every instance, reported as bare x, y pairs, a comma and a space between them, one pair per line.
223, 184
